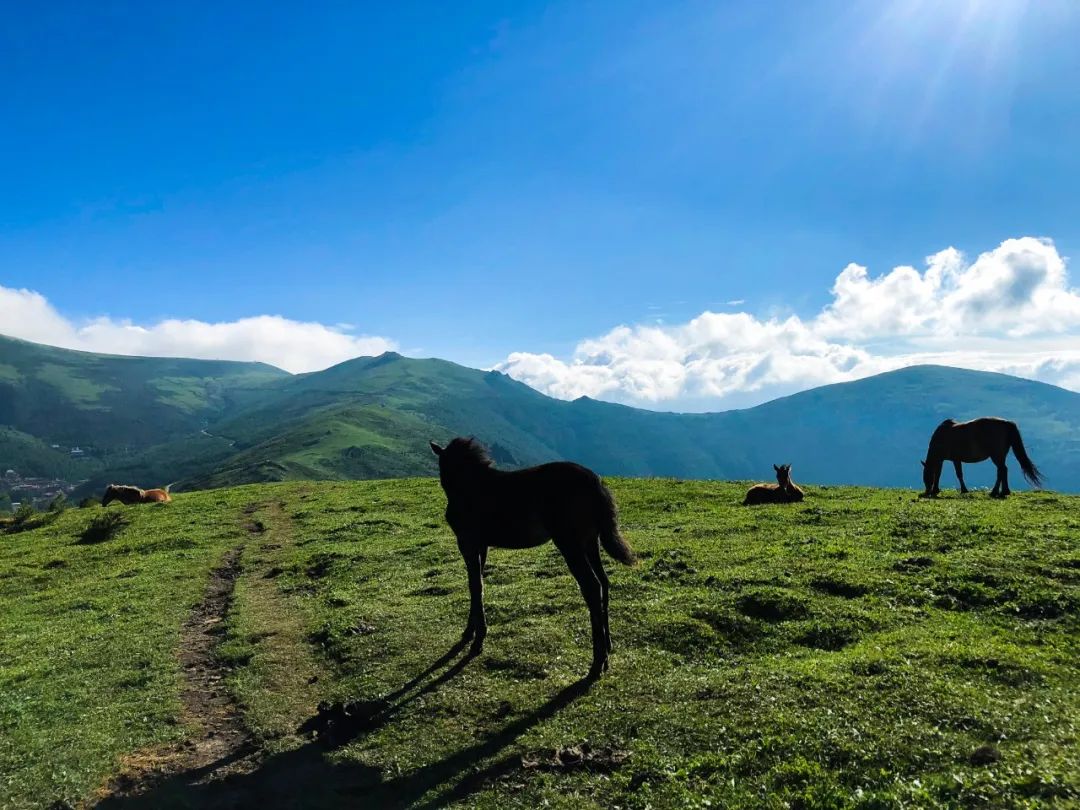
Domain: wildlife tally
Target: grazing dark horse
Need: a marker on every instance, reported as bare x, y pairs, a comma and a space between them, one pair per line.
561, 501
970, 442
783, 491
129, 495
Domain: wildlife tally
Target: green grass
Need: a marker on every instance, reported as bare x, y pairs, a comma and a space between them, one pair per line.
862, 649
79, 390
115, 407
188, 394
9, 374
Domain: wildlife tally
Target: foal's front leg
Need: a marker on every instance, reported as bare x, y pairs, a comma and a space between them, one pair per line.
476, 629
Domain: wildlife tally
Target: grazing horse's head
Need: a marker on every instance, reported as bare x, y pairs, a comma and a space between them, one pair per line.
110, 495
928, 479
460, 459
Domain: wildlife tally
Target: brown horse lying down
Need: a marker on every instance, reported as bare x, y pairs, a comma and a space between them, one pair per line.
128, 495
783, 491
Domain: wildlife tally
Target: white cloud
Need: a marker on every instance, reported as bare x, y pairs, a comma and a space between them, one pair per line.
28, 315
1020, 288
292, 345
1009, 310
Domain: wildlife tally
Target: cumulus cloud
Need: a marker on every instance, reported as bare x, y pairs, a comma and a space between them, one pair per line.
1018, 289
292, 345
1011, 309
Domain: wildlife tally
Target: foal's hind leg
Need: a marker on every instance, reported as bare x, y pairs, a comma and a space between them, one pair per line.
577, 559
960, 477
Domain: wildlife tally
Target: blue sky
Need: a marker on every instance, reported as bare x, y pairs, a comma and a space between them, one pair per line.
500, 184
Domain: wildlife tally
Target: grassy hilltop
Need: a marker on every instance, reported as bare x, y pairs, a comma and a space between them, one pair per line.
202, 424
864, 649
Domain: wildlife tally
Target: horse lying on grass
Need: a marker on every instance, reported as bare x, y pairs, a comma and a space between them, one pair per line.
783, 491
562, 502
129, 495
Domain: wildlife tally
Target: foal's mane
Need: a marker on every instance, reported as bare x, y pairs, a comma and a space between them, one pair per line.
468, 451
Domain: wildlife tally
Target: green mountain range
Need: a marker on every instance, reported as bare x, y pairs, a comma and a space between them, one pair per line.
199, 424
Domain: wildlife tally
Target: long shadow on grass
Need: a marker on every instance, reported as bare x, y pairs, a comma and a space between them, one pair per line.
310, 776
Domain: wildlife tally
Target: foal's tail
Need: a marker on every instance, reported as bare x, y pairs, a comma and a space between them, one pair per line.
1031, 472
613, 542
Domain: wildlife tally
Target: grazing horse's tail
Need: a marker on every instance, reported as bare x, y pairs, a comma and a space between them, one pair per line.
613, 542
1031, 472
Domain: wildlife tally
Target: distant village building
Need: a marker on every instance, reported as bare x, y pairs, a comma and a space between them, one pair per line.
76, 451
10, 474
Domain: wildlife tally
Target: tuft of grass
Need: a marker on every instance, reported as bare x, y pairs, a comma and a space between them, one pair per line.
103, 527
772, 604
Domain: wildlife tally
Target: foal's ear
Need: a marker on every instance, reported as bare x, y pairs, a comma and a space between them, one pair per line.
923, 463
776, 468
436, 449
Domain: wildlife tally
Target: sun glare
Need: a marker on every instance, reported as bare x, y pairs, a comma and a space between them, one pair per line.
911, 61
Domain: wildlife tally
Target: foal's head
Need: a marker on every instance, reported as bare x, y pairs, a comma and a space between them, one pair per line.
461, 458
783, 475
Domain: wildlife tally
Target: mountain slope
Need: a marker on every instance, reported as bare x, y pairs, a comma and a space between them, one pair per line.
201, 424
111, 406
876, 430
372, 417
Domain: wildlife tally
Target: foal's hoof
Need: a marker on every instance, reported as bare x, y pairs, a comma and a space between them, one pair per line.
476, 648
597, 669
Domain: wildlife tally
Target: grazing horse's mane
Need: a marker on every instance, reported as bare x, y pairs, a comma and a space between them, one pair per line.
938, 437
468, 452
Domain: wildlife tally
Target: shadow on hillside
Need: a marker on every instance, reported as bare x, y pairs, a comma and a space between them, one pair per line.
309, 776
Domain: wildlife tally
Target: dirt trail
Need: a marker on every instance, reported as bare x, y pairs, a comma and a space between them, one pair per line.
222, 748
206, 698
222, 745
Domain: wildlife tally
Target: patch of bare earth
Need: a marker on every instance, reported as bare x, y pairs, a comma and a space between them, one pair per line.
221, 744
